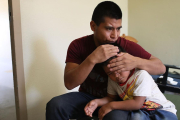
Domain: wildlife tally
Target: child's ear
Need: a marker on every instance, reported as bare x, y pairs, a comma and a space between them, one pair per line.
93, 25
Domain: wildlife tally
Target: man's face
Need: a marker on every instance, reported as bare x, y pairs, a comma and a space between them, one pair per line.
108, 31
122, 76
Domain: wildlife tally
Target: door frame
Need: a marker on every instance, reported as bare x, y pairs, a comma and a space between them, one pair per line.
17, 59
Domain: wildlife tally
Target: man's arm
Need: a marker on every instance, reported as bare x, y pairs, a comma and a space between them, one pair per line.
76, 74
125, 62
153, 66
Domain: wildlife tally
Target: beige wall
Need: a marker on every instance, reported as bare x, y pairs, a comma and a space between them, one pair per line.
155, 24
47, 29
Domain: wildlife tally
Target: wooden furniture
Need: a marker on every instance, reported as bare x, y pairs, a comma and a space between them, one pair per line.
129, 38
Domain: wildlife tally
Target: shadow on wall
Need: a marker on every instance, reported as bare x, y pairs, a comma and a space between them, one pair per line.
44, 80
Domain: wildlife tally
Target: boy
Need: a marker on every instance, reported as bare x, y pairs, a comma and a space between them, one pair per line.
140, 94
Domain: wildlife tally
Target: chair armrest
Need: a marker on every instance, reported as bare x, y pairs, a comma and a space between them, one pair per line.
172, 66
162, 82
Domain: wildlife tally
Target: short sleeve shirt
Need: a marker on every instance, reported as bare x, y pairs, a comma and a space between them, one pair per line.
141, 84
96, 82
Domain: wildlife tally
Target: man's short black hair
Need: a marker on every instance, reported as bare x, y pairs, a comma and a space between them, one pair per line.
106, 9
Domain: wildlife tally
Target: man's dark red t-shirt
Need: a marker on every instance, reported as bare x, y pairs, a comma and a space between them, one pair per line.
96, 82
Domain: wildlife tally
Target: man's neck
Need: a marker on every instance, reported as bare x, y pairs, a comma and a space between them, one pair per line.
96, 41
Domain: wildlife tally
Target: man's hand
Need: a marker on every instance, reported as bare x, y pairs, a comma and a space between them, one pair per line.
123, 62
90, 108
126, 62
102, 53
104, 110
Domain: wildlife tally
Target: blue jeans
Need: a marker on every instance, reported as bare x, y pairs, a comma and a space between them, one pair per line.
152, 115
71, 106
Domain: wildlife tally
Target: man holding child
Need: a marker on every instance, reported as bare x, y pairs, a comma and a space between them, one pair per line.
84, 68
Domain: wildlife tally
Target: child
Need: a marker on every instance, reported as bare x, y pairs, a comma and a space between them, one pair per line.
140, 94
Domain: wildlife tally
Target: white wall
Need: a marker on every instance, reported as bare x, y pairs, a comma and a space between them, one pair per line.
48, 27
5, 49
7, 100
155, 24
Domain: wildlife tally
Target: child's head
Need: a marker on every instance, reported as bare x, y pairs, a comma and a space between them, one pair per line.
112, 75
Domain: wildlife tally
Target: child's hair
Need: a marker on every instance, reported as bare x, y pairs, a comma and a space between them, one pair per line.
105, 63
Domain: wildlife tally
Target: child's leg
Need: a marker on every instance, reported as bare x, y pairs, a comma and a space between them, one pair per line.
163, 115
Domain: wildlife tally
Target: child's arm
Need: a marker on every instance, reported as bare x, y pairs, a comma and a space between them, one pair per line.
133, 104
93, 104
106, 99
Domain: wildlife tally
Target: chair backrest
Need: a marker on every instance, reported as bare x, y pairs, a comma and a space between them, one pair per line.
129, 38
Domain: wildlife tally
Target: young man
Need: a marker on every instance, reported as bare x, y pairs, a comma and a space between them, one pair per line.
82, 66
140, 95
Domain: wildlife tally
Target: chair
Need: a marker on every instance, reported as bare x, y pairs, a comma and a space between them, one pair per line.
162, 82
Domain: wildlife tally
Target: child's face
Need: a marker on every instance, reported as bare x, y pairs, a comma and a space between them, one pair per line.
112, 75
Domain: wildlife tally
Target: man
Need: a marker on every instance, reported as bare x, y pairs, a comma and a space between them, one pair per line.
82, 64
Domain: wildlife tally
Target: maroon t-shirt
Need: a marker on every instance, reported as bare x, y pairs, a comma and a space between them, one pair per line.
96, 82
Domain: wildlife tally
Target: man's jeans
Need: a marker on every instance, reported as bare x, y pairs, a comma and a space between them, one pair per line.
71, 106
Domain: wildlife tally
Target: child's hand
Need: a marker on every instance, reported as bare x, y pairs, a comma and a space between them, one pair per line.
90, 108
104, 110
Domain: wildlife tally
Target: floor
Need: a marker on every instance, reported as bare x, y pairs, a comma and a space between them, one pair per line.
7, 100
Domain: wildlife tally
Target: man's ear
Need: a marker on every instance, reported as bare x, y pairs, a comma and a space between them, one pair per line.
93, 25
